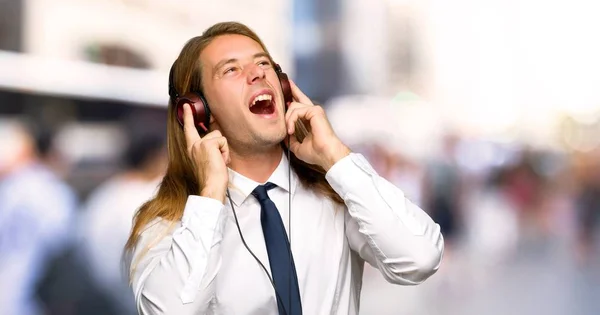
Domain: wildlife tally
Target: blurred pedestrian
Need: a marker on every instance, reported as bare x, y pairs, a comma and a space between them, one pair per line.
36, 212
107, 216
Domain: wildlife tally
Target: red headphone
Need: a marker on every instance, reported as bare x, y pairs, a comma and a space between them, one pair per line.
199, 106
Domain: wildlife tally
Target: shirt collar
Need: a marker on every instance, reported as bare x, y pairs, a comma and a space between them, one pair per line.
241, 186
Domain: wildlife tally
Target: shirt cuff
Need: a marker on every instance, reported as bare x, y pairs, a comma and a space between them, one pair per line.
348, 173
201, 215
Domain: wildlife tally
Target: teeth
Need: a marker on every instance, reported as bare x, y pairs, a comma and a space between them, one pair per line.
262, 97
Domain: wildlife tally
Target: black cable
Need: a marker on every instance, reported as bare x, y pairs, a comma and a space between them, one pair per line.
290, 218
251, 253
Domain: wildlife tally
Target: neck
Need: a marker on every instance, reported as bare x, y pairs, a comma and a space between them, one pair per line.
257, 167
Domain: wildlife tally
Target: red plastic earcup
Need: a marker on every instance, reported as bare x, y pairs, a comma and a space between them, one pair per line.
198, 110
286, 89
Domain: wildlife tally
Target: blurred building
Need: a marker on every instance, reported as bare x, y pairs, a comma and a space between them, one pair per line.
89, 68
95, 72
386, 53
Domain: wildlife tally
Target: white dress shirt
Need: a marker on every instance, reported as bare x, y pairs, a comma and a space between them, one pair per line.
200, 265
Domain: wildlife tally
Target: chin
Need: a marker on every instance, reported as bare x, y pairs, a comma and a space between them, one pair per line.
271, 139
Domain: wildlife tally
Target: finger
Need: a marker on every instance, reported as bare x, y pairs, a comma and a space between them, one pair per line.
224, 148
298, 95
298, 104
293, 115
226, 157
213, 134
221, 144
292, 107
191, 134
304, 112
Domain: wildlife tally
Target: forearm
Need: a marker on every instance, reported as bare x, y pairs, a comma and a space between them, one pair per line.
175, 275
389, 231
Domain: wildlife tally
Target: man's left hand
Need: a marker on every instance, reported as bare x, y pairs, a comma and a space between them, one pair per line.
321, 146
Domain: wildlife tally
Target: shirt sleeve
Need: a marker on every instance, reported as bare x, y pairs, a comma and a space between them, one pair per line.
174, 265
385, 228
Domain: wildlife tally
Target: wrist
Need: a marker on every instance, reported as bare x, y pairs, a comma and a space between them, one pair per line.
214, 192
336, 153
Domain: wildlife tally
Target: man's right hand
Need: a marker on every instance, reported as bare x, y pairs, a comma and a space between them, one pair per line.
210, 155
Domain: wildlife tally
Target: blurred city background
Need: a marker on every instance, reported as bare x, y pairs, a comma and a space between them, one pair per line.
486, 113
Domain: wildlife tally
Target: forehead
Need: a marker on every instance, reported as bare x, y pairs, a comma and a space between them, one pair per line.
231, 46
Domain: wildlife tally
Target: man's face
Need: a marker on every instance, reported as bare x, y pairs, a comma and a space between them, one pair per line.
243, 93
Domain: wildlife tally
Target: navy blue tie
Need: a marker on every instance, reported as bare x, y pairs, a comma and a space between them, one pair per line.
278, 249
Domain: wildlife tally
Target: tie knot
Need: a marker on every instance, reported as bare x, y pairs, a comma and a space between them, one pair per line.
260, 192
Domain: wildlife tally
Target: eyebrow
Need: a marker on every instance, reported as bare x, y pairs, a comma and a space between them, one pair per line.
221, 63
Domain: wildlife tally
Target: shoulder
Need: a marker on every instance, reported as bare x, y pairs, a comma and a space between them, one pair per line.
156, 227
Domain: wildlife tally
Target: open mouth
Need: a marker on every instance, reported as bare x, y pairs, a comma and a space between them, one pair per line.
263, 104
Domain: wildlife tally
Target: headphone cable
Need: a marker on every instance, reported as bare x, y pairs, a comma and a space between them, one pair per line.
290, 220
252, 253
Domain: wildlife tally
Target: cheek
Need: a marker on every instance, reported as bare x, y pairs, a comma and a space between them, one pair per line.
228, 118
225, 101
274, 81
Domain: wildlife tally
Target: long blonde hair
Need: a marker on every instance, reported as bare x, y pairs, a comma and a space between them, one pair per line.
180, 181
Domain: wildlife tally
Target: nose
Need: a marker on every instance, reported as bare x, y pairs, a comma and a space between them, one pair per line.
255, 74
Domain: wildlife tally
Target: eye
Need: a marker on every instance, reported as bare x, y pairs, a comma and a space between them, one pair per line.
230, 70
264, 63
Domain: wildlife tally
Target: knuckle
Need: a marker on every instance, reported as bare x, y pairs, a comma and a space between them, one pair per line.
204, 144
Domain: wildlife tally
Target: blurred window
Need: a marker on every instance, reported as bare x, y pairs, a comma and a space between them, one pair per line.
115, 55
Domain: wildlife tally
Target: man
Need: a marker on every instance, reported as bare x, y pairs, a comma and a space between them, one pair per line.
188, 255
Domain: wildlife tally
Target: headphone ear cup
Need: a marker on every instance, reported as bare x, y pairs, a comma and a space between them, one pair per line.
286, 89
200, 110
